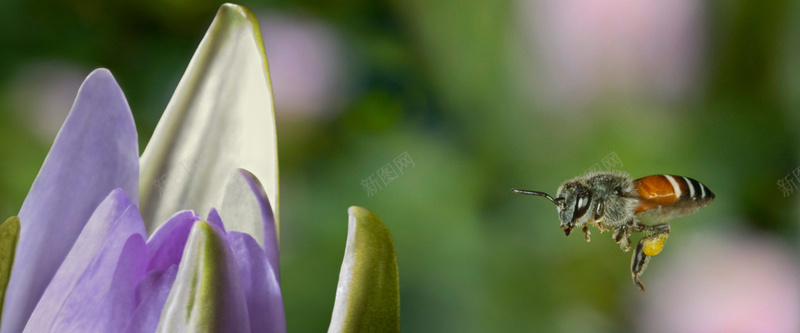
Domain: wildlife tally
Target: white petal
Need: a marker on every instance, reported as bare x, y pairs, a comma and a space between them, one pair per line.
220, 118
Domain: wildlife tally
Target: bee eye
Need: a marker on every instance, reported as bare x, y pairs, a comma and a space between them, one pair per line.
618, 190
581, 206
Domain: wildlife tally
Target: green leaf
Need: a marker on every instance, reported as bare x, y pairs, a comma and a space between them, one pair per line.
9, 234
207, 295
220, 118
368, 294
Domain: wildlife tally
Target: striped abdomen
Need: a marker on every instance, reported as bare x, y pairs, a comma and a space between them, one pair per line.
671, 192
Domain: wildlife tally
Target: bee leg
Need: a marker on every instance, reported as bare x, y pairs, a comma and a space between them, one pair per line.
638, 264
622, 235
586, 232
648, 246
625, 245
601, 226
619, 233
656, 229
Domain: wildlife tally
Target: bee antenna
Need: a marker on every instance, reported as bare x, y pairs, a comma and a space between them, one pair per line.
541, 194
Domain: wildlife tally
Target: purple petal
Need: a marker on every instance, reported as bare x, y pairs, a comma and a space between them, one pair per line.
72, 301
164, 251
165, 247
215, 219
120, 301
261, 287
95, 152
207, 295
100, 301
151, 294
245, 208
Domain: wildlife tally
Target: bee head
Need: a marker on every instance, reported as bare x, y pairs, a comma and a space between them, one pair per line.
564, 214
573, 201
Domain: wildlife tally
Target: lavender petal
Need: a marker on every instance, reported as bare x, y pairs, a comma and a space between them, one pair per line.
95, 152
118, 305
151, 294
103, 299
216, 220
166, 245
261, 287
71, 302
246, 208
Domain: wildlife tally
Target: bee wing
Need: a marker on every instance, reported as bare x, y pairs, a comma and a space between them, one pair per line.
669, 196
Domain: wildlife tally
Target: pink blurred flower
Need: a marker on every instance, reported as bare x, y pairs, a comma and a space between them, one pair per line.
307, 65
588, 50
42, 93
723, 282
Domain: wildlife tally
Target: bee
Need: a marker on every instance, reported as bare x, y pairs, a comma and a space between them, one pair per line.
613, 201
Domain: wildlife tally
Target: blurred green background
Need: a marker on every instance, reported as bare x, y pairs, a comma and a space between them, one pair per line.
482, 96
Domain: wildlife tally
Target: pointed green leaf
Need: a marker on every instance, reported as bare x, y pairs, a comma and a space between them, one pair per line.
219, 118
207, 295
9, 234
368, 294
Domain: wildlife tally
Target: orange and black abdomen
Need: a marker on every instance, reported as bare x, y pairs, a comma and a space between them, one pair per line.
671, 192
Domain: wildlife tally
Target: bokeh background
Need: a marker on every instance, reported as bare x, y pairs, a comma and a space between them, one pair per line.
482, 96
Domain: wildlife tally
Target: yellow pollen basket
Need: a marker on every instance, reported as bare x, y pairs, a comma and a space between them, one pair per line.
653, 246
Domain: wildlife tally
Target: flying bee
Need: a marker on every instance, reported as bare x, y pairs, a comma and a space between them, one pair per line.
613, 201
